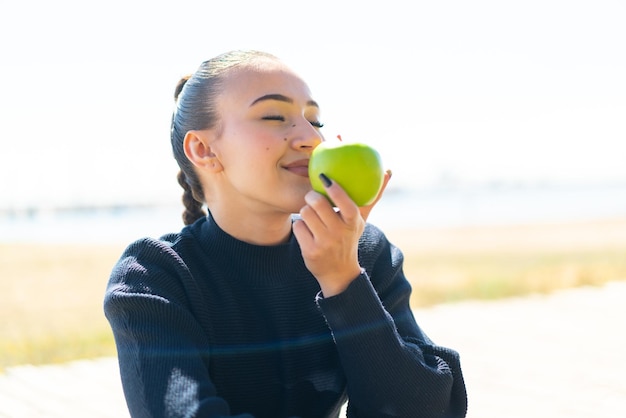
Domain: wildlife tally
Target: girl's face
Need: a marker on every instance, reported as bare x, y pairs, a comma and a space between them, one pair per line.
269, 125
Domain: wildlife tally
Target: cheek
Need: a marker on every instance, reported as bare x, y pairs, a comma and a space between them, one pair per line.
269, 147
257, 159
252, 150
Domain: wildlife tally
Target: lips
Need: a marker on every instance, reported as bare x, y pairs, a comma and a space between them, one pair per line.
298, 167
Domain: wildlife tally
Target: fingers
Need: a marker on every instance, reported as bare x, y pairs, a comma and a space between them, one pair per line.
348, 211
319, 219
318, 213
329, 239
303, 234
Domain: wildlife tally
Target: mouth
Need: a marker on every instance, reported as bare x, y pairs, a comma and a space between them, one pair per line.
299, 167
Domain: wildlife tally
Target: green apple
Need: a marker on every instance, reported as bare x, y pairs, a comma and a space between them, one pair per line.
355, 166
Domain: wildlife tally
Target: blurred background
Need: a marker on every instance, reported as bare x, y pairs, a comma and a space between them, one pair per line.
504, 124
486, 111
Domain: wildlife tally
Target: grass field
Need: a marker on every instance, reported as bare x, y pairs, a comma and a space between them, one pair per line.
447, 265
51, 303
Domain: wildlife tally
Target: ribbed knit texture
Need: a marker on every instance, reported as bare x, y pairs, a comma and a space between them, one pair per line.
209, 326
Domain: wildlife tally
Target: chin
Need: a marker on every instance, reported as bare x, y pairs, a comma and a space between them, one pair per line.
295, 200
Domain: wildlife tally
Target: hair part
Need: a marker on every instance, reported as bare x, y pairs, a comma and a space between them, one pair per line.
196, 109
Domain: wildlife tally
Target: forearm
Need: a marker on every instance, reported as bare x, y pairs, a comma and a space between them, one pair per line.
388, 374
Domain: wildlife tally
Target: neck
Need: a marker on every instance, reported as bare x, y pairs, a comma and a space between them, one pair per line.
254, 228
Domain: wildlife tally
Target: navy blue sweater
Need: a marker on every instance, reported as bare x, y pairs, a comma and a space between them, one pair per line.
210, 326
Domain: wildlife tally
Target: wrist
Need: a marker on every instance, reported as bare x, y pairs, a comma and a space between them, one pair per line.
336, 285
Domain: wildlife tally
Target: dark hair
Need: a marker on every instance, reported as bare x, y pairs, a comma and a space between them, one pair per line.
195, 97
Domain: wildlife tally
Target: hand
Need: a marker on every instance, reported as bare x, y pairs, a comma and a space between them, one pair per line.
329, 239
365, 210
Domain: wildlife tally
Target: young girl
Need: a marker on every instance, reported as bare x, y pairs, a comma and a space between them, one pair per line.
250, 310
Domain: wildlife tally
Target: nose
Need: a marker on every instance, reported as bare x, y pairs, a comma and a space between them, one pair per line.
306, 136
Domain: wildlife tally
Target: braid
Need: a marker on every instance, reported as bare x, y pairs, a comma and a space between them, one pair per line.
193, 205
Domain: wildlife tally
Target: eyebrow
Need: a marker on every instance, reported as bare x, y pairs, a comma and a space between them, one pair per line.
281, 98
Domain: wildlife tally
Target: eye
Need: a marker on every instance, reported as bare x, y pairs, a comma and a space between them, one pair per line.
317, 124
274, 117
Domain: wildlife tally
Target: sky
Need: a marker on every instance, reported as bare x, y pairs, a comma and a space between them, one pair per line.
517, 91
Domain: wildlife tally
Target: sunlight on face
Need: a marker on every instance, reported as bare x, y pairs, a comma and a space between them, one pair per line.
269, 125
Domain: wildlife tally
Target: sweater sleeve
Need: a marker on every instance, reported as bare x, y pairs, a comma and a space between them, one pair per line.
392, 367
162, 349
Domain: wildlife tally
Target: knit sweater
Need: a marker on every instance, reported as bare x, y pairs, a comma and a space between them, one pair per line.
210, 326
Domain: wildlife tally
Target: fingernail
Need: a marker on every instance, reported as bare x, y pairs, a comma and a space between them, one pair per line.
325, 180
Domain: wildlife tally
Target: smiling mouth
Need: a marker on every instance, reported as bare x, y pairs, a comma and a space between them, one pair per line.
299, 168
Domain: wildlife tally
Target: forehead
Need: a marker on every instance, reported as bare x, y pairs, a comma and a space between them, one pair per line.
247, 83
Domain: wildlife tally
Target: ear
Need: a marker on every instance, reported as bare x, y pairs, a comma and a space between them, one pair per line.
198, 150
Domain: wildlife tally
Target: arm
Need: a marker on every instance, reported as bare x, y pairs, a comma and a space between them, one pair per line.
392, 368
162, 349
